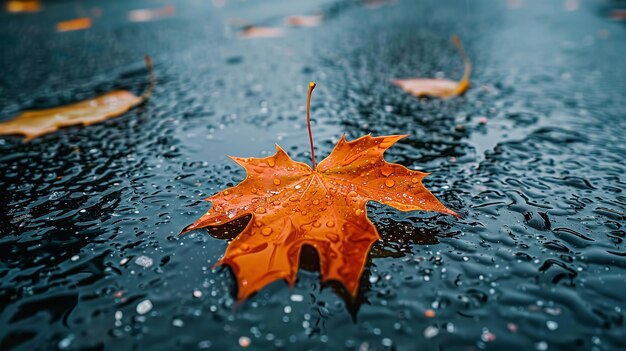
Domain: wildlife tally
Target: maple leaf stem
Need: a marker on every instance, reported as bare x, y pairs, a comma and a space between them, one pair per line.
146, 95
308, 121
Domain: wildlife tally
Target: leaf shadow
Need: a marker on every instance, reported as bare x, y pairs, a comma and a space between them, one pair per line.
398, 235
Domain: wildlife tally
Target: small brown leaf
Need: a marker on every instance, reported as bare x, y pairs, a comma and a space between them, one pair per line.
145, 15
440, 88
618, 15
304, 21
374, 4
75, 24
35, 123
261, 32
15, 6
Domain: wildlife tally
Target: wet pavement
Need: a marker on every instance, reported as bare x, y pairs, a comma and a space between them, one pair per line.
89, 217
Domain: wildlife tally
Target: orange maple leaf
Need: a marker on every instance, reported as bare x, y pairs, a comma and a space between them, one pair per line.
440, 88
293, 205
35, 123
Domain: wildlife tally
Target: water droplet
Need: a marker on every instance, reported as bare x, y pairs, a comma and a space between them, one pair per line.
271, 162
144, 261
260, 210
430, 332
552, 325
316, 202
317, 224
197, 294
303, 212
330, 224
296, 298
266, 231
276, 203
66, 342
226, 192
352, 193
358, 212
389, 183
414, 180
244, 341
254, 190
488, 336
276, 181
244, 247
144, 307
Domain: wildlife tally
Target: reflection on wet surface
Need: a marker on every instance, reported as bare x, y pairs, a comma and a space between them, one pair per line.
532, 157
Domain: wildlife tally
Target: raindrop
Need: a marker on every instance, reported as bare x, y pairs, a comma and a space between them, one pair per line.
244, 247
144, 307
317, 224
66, 342
430, 332
260, 210
389, 183
204, 344
271, 162
244, 341
316, 202
297, 298
330, 224
487, 336
144, 261
276, 181
266, 231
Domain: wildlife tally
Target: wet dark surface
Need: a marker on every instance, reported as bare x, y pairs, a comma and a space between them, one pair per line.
537, 262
